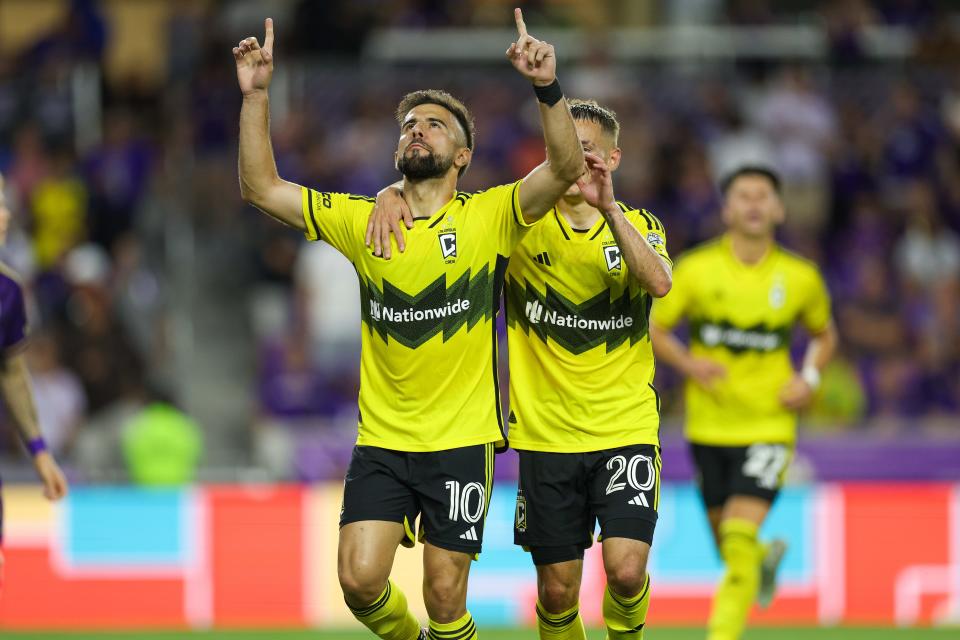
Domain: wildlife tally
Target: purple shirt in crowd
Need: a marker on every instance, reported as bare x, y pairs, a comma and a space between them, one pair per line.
13, 315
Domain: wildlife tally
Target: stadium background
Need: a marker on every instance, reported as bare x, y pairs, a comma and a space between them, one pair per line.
160, 299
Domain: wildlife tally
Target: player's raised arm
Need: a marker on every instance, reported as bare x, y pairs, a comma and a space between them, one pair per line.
260, 184
644, 264
536, 61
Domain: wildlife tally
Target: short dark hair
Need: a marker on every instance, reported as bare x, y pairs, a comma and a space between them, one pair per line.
592, 111
443, 99
751, 170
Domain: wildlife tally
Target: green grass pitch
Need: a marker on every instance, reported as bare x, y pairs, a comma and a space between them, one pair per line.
666, 633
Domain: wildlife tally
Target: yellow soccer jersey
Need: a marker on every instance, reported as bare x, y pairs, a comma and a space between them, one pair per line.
581, 364
742, 316
428, 377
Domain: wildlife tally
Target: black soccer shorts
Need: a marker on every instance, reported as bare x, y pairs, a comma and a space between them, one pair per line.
449, 490
756, 470
561, 495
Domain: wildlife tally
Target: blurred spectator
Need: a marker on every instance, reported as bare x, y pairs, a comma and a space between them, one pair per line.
911, 133
116, 173
329, 296
841, 401
845, 22
801, 125
95, 345
874, 333
58, 204
162, 446
928, 253
60, 400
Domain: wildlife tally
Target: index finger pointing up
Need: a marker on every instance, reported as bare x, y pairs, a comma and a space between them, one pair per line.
521, 26
268, 38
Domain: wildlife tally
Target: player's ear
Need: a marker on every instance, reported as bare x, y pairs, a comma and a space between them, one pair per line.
462, 157
725, 212
614, 161
779, 212
396, 160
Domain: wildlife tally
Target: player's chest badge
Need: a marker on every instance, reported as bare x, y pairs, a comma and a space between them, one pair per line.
447, 237
611, 255
778, 294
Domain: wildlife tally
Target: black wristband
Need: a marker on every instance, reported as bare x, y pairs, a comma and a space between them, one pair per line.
550, 94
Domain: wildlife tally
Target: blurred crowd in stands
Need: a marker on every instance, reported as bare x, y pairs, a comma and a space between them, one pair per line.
105, 222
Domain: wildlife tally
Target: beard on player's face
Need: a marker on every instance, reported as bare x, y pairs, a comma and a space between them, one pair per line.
423, 165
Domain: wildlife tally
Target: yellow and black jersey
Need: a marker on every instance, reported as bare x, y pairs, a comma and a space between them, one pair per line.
428, 377
742, 316
581, 364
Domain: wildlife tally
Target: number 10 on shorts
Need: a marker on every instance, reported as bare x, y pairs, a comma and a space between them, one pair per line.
462, 501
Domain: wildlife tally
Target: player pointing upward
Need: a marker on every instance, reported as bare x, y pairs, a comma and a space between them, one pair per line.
429, 410
584, 413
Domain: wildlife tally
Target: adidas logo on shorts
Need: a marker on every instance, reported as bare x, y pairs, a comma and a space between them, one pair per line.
639, 500
469, 534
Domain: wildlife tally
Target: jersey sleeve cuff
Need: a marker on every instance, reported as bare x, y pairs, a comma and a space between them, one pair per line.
309, 217
515, 205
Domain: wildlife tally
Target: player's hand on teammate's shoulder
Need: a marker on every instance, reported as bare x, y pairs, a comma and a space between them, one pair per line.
255, 63
797, 394
534, 59
385, 218
54, 482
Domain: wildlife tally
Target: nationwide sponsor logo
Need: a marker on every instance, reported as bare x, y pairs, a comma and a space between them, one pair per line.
759, 338
601, 320
439, 308
380, 312
537, 313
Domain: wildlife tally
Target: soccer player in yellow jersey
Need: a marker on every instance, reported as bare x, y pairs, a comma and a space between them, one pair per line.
743, 294
429, 408
584, 413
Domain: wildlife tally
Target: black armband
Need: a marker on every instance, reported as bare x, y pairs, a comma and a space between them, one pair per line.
550, 94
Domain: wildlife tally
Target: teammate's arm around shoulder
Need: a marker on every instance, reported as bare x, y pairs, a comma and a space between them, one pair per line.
543, 187
260, 184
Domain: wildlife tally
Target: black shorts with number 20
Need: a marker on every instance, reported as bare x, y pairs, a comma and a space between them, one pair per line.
756, 470
561, 495
449, 490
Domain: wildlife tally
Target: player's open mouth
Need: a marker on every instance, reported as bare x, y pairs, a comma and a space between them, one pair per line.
417, 145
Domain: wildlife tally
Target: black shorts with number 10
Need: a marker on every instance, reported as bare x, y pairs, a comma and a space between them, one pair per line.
449, 490
561, 495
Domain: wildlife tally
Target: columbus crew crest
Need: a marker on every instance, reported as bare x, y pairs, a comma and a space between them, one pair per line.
448, 245
520, 516
611, 254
